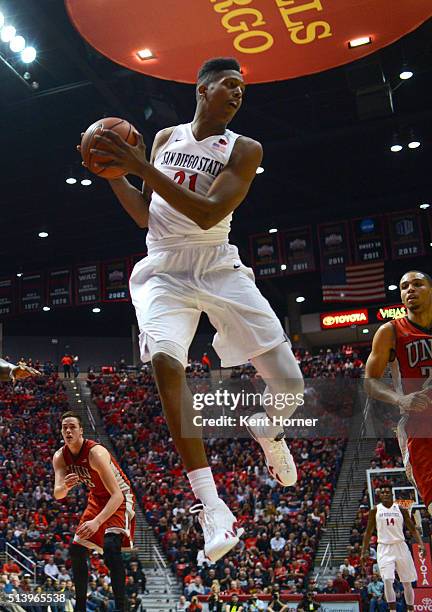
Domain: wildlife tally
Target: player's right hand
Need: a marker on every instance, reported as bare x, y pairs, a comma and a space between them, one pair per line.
415, 402
71, 480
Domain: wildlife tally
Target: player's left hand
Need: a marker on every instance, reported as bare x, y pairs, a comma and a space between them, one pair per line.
87, 529
422, 549
20, 372
119, 153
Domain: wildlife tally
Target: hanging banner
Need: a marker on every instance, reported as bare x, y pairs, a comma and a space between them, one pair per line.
6, 297
265, 255
60, 288
297, 250
115, 281
406, 234
334, 245
368, 237
31, 292
87, 285
423, 565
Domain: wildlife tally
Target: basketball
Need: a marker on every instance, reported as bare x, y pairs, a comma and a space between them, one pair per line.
122, 127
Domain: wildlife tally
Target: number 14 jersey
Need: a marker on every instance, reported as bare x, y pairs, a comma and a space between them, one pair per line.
389, 523
194, 165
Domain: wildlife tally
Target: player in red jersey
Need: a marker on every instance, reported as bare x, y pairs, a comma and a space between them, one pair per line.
107, 523
406, 343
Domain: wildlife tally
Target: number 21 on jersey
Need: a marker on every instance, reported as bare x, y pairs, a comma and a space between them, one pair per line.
180, 176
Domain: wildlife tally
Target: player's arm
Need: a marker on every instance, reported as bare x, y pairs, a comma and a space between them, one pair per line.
63, 481
226, 193
382, 346
10, 370
100, 461
412, 528
135, 202
371, 526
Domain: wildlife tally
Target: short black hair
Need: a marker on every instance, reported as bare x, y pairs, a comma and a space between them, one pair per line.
427, 276
73, 415
212, 67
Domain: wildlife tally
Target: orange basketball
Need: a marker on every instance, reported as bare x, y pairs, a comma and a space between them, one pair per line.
123, 128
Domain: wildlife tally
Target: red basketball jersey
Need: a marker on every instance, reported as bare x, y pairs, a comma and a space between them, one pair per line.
412, 369
80, 465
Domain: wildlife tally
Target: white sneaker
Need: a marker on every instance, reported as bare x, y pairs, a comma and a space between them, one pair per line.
219, 527
279, 461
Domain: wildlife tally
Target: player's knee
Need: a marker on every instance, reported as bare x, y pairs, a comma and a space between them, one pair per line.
112, 547
166, 365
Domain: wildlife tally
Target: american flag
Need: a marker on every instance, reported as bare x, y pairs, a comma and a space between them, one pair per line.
359, 283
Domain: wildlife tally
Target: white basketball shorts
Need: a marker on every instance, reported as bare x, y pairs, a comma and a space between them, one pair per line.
397, 557
170, 289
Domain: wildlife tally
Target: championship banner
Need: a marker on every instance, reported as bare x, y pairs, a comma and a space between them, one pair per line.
87, 285
297, 250
6, 297
31, 292
406, 234
265, 255
334, 246
423, 565
60, 288
115, 281
368, 238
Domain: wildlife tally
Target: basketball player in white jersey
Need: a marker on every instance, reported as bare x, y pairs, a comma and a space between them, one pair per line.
388, 519
197, 175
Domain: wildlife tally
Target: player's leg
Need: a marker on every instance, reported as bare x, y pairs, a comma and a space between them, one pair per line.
217, 521
389, 593
409, 595
280, 370
168, 317
247, 328
79, 559
114, 562
418, 462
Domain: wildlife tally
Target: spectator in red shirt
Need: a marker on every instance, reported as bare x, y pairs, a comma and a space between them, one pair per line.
340, 585
66, 362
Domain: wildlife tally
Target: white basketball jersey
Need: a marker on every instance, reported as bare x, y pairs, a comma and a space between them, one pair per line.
195, 165
389, 522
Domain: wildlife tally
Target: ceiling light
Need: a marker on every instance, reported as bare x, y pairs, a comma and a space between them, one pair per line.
424, 206
396, 148
79, 401
359, 42
392, 287
365, 331
145, 54
2, 20
46, 308
7, 33
86, 182
71, 180
43, 234
259, 170
96, 309
28, 55
406, 74
283, 267
19, 274
414, 144
17, 44
300, 299
273, 230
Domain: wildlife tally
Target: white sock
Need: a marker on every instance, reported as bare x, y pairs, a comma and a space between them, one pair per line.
203, 486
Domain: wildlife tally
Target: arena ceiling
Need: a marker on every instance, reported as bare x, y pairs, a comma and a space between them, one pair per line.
326, 154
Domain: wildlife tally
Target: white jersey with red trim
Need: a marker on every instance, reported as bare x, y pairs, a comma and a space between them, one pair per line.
195, 165
389, 524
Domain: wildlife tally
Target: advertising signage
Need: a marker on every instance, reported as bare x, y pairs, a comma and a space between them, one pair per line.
344, 318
